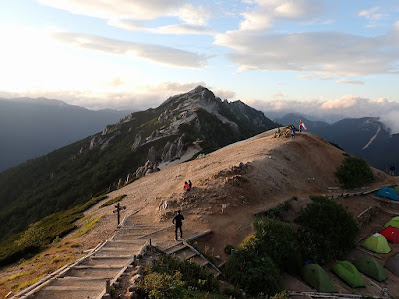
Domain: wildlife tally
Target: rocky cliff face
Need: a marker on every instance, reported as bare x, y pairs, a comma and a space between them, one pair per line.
184, 122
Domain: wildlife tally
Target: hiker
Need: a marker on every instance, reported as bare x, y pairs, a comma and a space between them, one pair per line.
293, 131
301, 126
277, 133
392, 170
186, 186
178, 221
190, 184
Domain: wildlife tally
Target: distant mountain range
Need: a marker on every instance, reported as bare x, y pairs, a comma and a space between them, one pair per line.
182, 128
365, 137
33, 127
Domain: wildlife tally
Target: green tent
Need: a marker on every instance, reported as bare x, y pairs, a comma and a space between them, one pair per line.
315, 276
348, 272
396, 189
377, 243
393, 222
370, 267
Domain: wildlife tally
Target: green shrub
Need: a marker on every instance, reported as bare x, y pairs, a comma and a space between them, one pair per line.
161, 285
328, 230
192, 274
354, 172
277, 211
279, 241
233, 293
253, 271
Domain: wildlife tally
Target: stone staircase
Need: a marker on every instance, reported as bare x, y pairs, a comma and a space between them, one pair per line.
86, 278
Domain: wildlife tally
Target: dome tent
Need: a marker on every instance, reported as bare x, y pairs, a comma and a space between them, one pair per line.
388, 193
377, 243
370, 267
393, 222
315, 276
393, 264
348, 272
391, 233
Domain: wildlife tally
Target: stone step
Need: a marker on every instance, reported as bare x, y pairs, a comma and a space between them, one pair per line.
175, 248
185, 254
116, 252
94, 272
106, 261
83, 282
200, 260
125, 244
129, 236
61, 293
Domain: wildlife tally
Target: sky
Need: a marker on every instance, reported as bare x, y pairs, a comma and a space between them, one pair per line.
314, 56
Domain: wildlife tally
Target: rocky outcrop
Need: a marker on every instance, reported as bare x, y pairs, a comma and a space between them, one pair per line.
138, 141
149, 167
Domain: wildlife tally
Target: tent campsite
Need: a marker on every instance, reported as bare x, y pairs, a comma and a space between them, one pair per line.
348, 272
393, 264
393, 222
370, 267
315, 276
391, 233
388, 193
377, 243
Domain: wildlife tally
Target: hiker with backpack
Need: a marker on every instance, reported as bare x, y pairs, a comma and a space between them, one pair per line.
178, 221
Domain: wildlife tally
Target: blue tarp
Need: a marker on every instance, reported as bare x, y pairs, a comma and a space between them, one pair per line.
388, 193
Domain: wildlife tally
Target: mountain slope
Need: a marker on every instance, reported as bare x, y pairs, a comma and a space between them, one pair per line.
33, 127
195, 122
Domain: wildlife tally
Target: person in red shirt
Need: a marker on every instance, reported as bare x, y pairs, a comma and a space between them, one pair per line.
186, 186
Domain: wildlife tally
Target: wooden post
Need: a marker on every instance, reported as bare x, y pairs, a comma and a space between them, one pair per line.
107, 286
118, 209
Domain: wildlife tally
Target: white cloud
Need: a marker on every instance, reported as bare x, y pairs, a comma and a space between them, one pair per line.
125, 9
191, 15
372, 13
349, 82
268, 11
155, 53
329, 53
168, 29
349, 106
391, 120
315, 77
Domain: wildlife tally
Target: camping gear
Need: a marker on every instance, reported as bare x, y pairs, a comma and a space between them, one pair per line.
348, 272
388, 193
315, 276
370, 267
393, 264
391, 233
377, 243
393, 222
396, 189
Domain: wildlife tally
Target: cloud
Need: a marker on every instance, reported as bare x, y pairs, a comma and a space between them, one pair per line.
155, 53
315, 77
328, 53
121, 94
349, 106
391, 120
124, 9
349, 82
194, 15
372, 13
266, 13
168, 29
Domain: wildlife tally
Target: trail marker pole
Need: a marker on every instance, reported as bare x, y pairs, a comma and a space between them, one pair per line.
118, 209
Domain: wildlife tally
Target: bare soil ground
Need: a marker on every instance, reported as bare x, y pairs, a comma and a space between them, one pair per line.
246, 177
